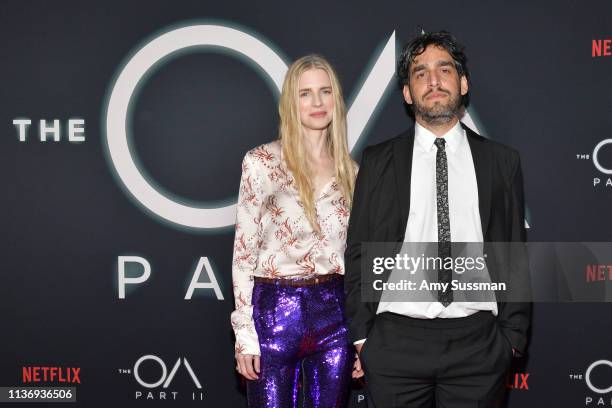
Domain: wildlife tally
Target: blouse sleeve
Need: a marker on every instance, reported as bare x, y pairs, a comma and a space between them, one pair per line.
246, 245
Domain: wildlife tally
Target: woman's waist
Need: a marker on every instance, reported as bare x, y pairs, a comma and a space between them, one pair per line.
272, 264
299, 281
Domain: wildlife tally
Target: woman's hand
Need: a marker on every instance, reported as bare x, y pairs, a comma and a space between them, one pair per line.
247, 365
357, 369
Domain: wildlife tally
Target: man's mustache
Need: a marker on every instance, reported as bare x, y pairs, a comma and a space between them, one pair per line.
439, 89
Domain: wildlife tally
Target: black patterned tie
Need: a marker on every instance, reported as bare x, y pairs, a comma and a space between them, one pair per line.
444, 238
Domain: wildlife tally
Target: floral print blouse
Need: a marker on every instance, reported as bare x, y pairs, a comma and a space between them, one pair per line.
274, 238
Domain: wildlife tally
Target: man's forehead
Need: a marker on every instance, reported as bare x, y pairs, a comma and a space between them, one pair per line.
432, 50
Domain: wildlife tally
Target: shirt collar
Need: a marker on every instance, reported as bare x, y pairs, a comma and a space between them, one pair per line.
425, 138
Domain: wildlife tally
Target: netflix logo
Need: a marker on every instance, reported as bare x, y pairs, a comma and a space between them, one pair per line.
598, 273
517, 381
601, 48
51, 374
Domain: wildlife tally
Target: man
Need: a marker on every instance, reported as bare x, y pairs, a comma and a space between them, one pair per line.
438, 182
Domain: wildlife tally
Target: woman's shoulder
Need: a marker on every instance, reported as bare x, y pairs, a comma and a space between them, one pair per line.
264, 153
263, 158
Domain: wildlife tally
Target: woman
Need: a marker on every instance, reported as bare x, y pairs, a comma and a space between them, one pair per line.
293, 209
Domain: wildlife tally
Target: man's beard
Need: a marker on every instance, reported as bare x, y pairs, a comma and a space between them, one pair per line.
440, 113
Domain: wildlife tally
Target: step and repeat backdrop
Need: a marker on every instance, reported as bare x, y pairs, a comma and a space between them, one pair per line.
123, 126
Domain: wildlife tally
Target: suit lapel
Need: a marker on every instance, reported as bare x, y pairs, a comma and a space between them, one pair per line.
482, 166
402, 162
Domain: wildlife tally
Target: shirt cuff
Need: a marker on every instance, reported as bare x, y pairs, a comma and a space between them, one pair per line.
247, 343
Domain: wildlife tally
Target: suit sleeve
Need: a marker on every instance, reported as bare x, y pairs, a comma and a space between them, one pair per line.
360, 314
515, 316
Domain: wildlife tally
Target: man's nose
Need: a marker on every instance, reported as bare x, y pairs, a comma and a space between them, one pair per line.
433, 79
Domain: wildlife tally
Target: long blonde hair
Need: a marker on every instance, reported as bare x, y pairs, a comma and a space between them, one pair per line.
290, 133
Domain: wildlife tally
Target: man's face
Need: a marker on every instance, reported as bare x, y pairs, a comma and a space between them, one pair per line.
435, 88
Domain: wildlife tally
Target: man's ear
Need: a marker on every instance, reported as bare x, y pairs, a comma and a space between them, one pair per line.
464, 85
407, 95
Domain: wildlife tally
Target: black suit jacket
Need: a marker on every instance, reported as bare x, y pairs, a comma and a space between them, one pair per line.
380, 210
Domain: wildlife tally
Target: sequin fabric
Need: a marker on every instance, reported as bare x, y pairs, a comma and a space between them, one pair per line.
303, 340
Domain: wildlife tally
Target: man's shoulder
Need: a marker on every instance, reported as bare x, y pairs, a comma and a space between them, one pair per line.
383, 150
495, 148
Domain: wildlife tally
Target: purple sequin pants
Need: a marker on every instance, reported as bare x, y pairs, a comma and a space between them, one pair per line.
301, 330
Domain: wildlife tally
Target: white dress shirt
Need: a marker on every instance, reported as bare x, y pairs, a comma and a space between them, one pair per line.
422, 225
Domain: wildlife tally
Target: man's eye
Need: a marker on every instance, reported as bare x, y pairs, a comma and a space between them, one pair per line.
420, 75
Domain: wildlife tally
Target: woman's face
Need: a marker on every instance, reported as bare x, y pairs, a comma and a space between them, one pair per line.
316, 99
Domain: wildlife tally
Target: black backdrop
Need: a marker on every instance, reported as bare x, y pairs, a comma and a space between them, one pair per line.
67, 218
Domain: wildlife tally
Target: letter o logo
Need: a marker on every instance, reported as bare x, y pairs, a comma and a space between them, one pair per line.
588, 377
121, 94
161, 363
596, 160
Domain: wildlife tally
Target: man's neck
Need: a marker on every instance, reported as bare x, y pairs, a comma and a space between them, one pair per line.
438, 130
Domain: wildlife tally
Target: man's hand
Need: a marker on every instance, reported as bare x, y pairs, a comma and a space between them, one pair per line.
357, 370
248, 365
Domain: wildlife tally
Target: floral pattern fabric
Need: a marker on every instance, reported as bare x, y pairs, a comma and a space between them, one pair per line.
274, 238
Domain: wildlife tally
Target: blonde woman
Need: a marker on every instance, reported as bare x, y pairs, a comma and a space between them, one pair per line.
293, 209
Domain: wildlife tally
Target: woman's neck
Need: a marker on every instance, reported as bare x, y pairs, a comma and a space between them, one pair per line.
315, 142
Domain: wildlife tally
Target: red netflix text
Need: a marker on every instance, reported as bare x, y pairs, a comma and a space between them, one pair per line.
594, 273
517, 381
601, 48
51, 374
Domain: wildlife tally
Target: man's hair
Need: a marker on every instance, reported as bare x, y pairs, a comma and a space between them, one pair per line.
417, 46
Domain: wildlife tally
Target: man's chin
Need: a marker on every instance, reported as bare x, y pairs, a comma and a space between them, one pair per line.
439, 112
438, 118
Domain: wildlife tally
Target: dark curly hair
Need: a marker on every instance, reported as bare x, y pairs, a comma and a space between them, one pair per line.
417, 46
